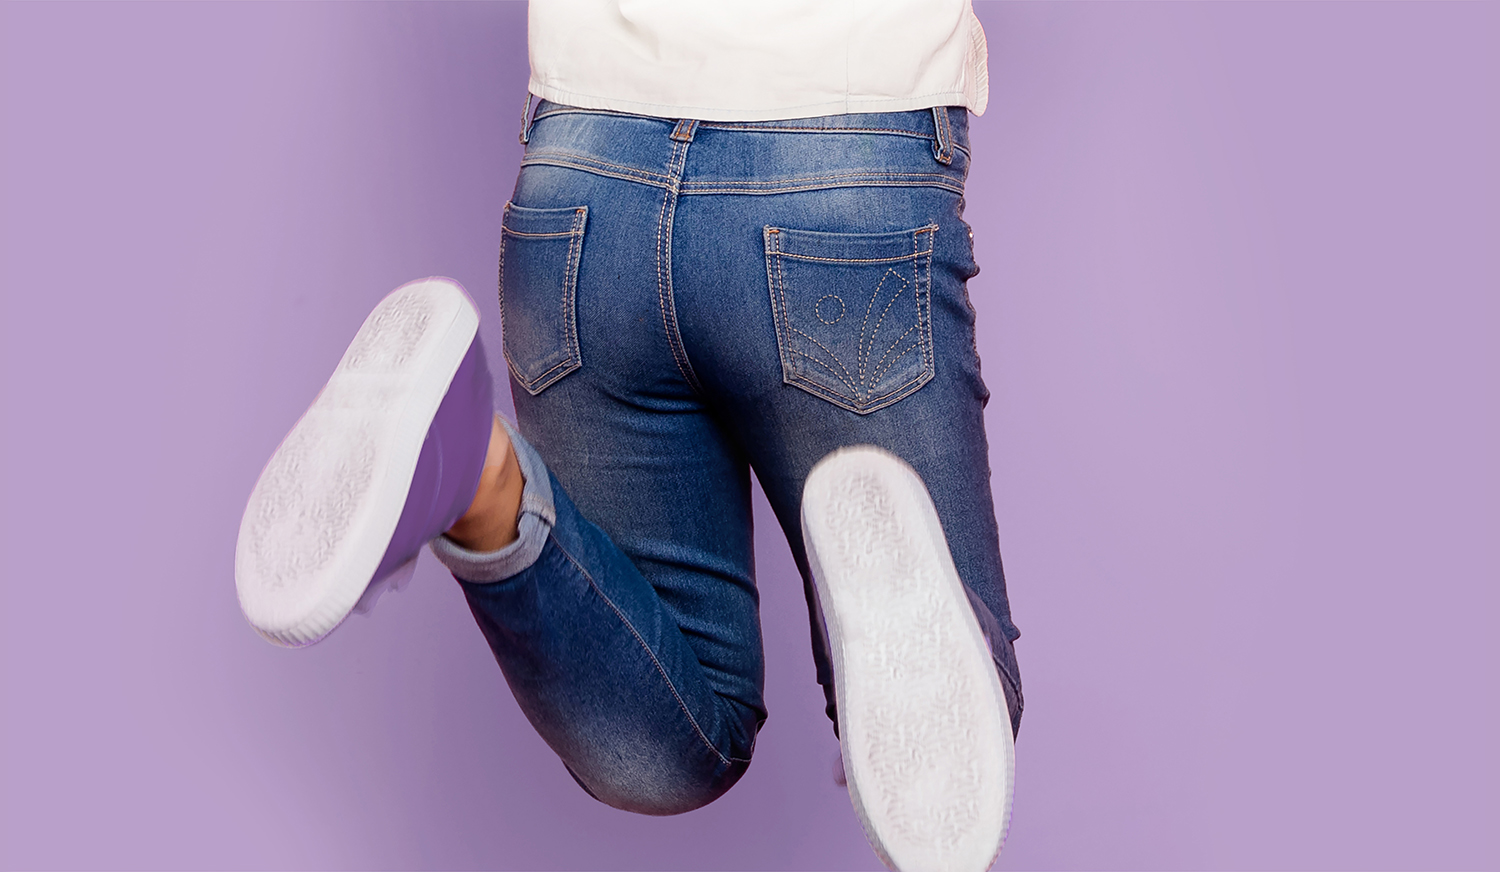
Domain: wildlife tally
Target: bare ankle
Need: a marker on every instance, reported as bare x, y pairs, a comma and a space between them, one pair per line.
491, 521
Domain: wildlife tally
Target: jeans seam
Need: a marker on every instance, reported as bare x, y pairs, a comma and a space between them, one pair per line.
897, 259
628, 175
829, 177
664, 295
697, 730
924, 335
729, 125
543, 153
822, 392
692, 189
558, 235
835, 373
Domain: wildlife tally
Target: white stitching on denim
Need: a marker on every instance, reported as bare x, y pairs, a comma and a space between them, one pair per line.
889, 365
897, 341
589, 168
768, 238
541, 154
542, 376
925, 336
881, 320
786, 314
897, 259
644, 647
570, 295
859, 346
571, 361
664, 274
837, 318
853, 174
919, 377
843, 378
764, 127
558, 234
831, 370
693, 188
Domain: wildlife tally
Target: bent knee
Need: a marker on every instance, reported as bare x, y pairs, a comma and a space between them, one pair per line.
649, 787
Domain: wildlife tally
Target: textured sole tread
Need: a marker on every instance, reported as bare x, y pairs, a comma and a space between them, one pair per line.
925, 733
323, 511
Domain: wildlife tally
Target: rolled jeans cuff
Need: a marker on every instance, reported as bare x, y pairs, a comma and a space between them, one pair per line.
538, 515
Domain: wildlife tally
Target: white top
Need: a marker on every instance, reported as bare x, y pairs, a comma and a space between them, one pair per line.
756, 60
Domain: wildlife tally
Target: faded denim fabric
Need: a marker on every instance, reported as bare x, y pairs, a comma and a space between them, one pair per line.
684, 302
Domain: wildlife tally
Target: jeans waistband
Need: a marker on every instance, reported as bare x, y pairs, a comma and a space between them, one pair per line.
917, 147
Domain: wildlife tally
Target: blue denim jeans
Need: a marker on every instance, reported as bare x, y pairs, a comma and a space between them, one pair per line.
684, 302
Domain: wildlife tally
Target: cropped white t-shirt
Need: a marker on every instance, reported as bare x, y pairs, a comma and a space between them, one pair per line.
756, 60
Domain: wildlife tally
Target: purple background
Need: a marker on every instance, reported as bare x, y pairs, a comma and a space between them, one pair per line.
1239, 314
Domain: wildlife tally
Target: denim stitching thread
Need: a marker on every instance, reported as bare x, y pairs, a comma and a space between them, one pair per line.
529, 385
500, 283
644, 647
557, 235
769, 235
842, 309
596, 171
786, 315
889, 366
881, 320
859, 348
694, 189
543, 153
571, 361
875, 376
845, 378
824, 178
570, 294
869, 373
664, 294
874, 404
915, 134
810, 359
924, 336
896, 259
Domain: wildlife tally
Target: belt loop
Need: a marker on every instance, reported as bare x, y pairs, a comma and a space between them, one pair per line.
942, 147
526, 120
685, 129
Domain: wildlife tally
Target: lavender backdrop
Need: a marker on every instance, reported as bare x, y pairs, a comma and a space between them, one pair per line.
1239, 313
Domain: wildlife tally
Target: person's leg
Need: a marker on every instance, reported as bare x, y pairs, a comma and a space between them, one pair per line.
597, 658
730, 317
822, 303
624, 616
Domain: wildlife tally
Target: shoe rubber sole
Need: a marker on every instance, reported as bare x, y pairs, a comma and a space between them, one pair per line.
323, 512
926, 738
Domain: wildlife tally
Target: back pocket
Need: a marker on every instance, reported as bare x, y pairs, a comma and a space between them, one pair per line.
853, 313
539, 251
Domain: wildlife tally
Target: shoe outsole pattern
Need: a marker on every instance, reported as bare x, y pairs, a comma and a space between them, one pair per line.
322, 514
924, 729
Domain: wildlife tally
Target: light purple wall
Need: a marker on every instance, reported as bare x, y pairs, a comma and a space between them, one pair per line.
1239, 314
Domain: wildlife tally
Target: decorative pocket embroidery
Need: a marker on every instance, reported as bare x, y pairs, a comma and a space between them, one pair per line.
853, 313
539, 251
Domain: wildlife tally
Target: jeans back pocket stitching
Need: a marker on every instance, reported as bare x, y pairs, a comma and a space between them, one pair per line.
863, 404
570, 295
875, 376
843, 377
863, 354
573, 355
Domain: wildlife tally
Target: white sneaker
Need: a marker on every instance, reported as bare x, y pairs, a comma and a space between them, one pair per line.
925, 733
